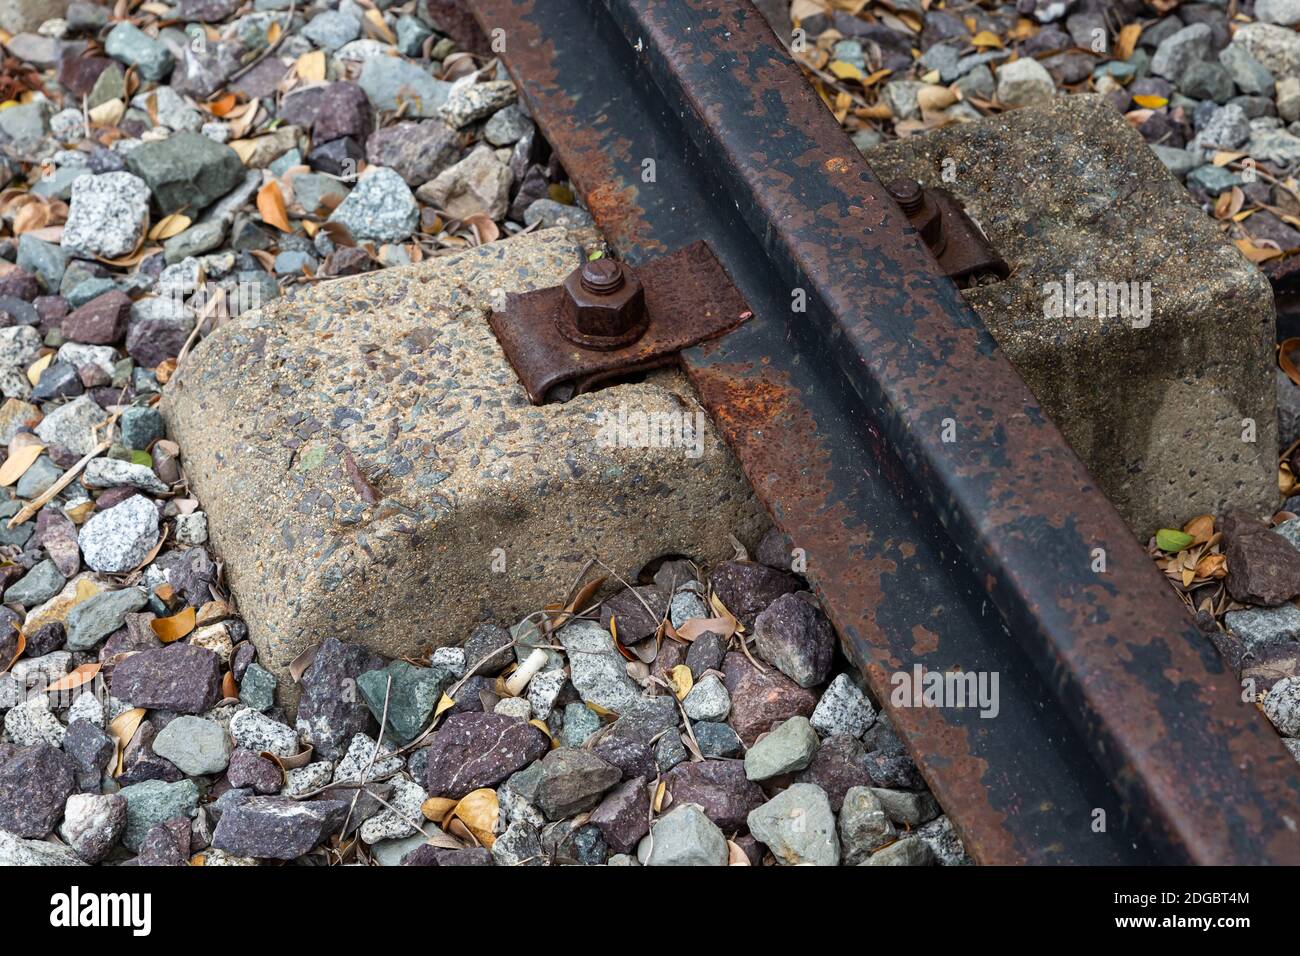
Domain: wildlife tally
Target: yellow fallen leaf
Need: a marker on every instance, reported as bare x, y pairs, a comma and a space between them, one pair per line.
376, 26
1126, 43
273, 33
19, 460
986, 38
1223, 157
1150, 101
169, 226
1201, 528
443, 705
735, 855
658, 802
437, 808
122, 729
108, 113
75, 678
170, 629
244, 149
479, 812
311, 66
846, 71
682, 680
270, 205
935, 98
1256, 253
39, 366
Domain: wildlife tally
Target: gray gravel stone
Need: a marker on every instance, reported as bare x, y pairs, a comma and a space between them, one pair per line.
843, 709
507, 126
684, 836
907, 807
129, 44
257, 688
1282, 705
197, 746
573, 781
100, 615
548, 213
468, 104
1024, 82
121, 538
381, 207
391, 823
1274, 46
186, 171
797, 825
331, 29
520, 845
911, 851
92, 824
15, 851
580, 722
789, 747
1251, 76
107, 215
1259, 627
708, 700
257, 732
1180, 50
1282, 12
31, 723
39, 477
36, 586
358, 757
863, 825
390, 81
70, 424
717, 740
154, 802
114, 472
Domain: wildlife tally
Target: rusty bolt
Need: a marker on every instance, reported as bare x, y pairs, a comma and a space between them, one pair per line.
603, 306
924, 214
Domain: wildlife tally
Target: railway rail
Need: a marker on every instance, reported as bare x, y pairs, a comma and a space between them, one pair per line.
945, 521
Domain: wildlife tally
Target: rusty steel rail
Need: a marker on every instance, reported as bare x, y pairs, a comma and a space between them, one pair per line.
972, 555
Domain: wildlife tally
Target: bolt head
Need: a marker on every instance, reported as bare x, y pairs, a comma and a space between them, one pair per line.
617, 316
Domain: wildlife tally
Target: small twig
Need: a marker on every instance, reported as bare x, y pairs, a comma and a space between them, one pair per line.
39, 502
402, 816
379, 742
685, 720
284, 32
621, 580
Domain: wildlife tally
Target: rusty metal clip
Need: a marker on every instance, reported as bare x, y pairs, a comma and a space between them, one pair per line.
608, 320
965, 254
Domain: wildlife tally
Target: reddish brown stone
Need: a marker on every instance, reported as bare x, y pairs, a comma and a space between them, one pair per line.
838, 766
18, 283
721, 789
747, 588
101, 321
760, 701
343, 111
480, 750
623, 817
